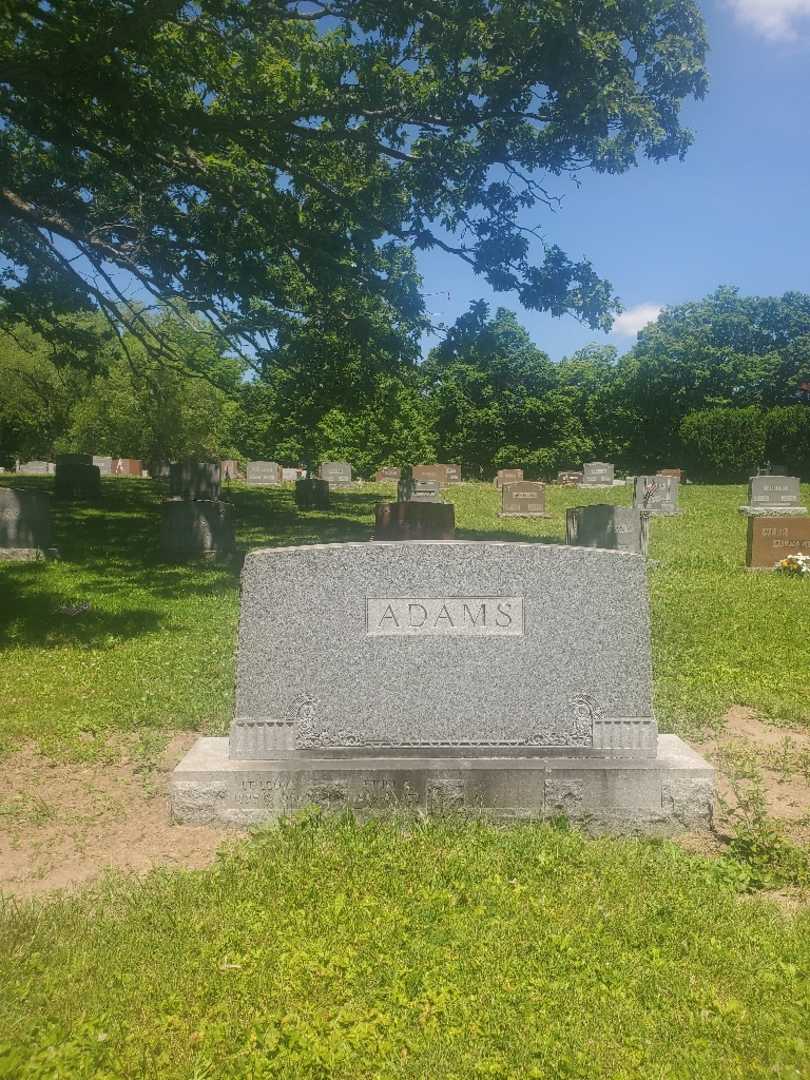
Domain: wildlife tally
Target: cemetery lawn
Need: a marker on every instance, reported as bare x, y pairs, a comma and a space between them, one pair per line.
327, 949
153, 649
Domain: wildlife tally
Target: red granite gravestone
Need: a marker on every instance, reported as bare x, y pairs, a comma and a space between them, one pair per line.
415, 521
771, 539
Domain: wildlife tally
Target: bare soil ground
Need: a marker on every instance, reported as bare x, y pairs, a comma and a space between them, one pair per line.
65, 824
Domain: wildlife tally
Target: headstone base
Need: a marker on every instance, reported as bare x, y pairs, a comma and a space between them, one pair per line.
510, 514
21, 554
773, 511
663, 795
594, 487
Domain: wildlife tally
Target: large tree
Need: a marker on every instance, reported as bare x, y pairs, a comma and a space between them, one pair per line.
260, 159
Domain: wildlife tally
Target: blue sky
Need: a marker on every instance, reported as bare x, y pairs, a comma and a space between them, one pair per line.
736, 211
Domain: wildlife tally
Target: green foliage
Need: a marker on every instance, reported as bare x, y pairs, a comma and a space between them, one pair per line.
273, 162
787, 438
726, 444
442, 949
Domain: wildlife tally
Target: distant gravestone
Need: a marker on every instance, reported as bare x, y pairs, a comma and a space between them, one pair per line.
771, 470
569, 478
507, 476
312, 494
615, 528
264, 473
127, 467
387, 473
230, 469
415, 521
104, 464
771, 539
195, 480
436, 474
657, 494
678, 473
76, 477
192, 529
37, 468
25, 524
774, 496
453, 474
525, 498
289, 476
503, 679
424, 491
336, 473
597, 474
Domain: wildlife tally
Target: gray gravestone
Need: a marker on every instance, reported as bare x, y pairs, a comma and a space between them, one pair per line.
336, 473
312, 494
289, 476
511, 680
25, 524
433, 473
657, 494
37, 468
267, 473
104, 464
76, 477
453, 473
569, 478
415, 520
507, 476
597, 474
526, 498
196, 529
425, 491
774, 496
614, 528
195, 480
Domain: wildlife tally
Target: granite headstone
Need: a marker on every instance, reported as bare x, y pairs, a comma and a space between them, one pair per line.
264, 473
76, 477
614, 528
388, 472
774, 496
503, 679
193, 529
195, 480
415, 520
25, 524
507, 476
770, 539
312, 493
597, 474
336, 473
657, 494
524, 498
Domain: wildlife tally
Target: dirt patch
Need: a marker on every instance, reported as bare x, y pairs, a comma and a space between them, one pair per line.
65, 824
749, 750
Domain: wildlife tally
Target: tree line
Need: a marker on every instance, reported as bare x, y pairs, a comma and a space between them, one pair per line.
717, 386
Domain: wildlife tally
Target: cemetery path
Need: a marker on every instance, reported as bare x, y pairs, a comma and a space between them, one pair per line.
65, 824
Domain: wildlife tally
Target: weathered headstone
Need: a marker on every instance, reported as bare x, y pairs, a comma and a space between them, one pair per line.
507, 476
774, 496
37, 468
104, 464
437, 474
76, 477
569, 478
127, 467
525, 498
264, 473
312, 493
196, 529
336, 473
453, 473
388, 472
615, 528
597, 474
25, 524
510, 680
679, 473
230, 469
415, 521
657, 494
425, 491
195, 480
771, 539
771, 470
289, 476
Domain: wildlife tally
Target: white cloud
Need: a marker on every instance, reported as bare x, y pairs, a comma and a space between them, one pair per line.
636, 318
774, 19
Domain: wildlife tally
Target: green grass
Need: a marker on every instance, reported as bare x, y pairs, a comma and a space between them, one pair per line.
156, 648
441, 950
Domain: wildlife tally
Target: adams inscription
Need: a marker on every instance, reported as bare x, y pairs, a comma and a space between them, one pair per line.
422, 615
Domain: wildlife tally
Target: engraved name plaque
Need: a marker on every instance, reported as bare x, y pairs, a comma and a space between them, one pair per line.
474, 616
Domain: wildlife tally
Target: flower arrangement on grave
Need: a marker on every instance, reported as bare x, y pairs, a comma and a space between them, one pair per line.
797, 565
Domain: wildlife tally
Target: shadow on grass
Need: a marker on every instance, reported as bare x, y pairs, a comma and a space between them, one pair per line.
33, 614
